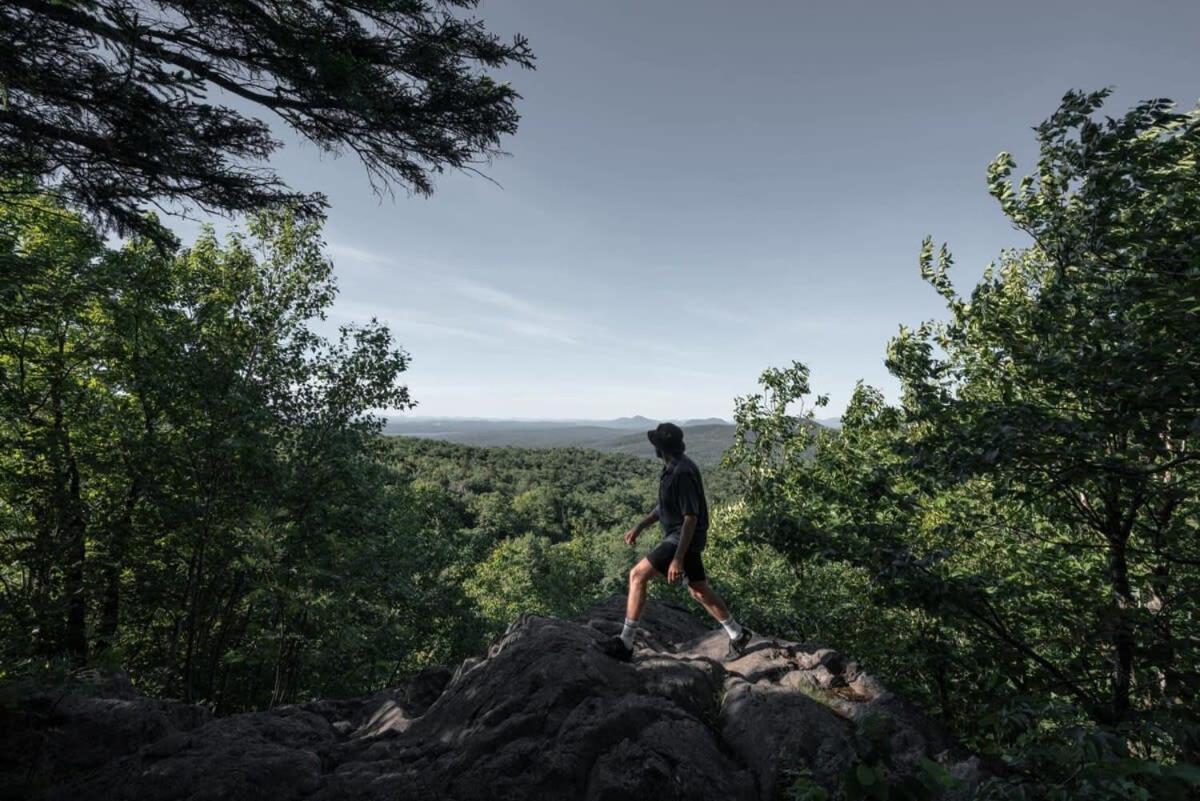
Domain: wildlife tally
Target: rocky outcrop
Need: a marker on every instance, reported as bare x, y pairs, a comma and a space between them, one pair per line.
49, 737
543, 716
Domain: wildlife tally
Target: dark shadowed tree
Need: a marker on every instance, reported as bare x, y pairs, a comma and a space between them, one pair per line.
1027, 514
1071, 375
117, 104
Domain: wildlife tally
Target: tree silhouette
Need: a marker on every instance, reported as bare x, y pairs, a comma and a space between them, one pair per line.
120, 104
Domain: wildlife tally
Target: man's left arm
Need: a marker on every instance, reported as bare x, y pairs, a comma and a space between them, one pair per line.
685, 541
688, 491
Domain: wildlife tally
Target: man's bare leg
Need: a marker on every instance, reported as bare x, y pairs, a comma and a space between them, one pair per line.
712, 603
621, 646
639, 577
708, 598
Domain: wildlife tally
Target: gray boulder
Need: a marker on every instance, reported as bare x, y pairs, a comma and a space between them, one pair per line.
49, 737
544, 715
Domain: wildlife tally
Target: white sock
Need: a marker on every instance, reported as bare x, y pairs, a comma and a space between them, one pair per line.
732, 627
627, 632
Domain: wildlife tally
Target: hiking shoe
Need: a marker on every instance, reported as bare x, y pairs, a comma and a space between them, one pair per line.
738, 647
616, 648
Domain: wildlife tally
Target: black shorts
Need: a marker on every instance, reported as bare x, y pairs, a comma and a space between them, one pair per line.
693, 565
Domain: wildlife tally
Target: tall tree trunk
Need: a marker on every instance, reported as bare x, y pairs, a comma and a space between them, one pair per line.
1158, 603
76, 553
68, 516
110, 610
287, 664
48, 639
1123, 638
193, 600
221, 702
222, 625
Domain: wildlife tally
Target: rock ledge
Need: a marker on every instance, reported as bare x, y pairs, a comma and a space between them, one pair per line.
543, 716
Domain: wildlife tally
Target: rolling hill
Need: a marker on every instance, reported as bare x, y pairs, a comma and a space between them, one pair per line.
706, 439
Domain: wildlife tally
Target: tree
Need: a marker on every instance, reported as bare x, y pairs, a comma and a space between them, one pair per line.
530, 574
1027, 514
543, 511
117, 103
1071, 378
188, 476
51, 331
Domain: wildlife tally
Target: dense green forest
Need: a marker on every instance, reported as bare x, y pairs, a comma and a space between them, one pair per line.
194, 487
194, 491
1027, 514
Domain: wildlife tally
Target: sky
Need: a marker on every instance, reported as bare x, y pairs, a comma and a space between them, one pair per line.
702, 190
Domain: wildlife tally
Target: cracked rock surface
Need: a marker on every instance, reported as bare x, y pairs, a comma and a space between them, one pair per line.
544, 715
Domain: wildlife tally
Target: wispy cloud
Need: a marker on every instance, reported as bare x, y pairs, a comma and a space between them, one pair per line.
342, 253
443, 329
521, 316
532, 329
488, 314
493, 314
688, 372
719, 313
404, 321
499, 298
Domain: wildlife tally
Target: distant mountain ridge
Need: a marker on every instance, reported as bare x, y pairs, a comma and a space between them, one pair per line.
706, 438
635, 421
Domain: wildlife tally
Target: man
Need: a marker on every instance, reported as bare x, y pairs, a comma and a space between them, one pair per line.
682, 512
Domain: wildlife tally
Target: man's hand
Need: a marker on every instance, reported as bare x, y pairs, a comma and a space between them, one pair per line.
648, 521
675, 571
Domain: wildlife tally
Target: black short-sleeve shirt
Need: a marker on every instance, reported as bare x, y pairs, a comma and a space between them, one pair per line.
681, 492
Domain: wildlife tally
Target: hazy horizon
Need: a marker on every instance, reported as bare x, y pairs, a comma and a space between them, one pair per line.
418, 416
697, 194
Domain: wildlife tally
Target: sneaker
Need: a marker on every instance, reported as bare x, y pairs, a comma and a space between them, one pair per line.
616, 648
738, 647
